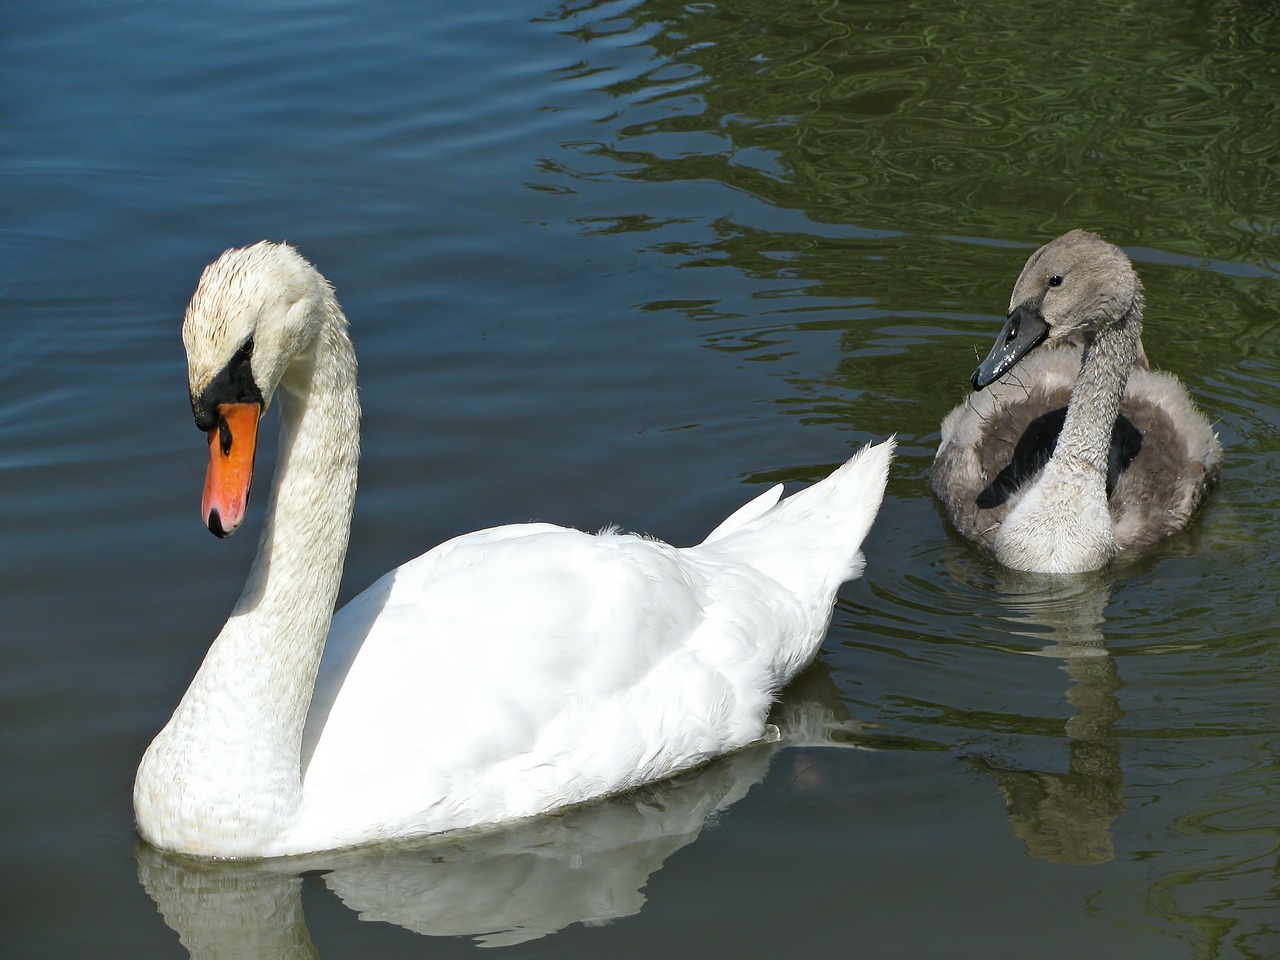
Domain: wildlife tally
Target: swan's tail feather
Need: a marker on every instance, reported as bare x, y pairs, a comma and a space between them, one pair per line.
810, 541
751, 510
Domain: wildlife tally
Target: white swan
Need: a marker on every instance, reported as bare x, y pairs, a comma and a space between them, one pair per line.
1078, 451
503, 674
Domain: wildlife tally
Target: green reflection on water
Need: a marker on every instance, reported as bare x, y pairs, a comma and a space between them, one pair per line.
927, 148
995, 119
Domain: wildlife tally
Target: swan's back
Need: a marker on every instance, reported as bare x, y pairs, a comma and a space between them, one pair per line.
1163, 462
558, 666
555, 666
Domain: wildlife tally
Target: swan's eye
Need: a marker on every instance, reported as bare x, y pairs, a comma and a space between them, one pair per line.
1055, 280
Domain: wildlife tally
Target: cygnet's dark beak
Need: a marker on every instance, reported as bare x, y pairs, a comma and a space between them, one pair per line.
1023, 332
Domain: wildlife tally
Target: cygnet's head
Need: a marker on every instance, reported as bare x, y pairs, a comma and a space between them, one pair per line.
1071, 287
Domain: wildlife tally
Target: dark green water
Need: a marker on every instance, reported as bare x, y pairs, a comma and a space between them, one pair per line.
627, 262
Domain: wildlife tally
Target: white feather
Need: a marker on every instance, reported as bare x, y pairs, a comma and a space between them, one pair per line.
500, 675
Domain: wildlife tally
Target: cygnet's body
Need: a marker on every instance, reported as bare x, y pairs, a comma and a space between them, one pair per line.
1075, 451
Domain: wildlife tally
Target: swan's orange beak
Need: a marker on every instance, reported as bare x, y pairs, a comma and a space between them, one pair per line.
226, 486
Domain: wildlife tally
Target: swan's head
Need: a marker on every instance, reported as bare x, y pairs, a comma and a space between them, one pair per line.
1072, 287
256, 310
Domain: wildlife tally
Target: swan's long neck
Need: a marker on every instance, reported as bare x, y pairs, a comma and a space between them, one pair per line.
1099, 388
1063, 524
226, 767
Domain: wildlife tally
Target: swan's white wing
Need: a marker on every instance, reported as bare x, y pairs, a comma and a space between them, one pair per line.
753, 509
522, 668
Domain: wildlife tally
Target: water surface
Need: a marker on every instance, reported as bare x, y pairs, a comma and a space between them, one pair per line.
627, 263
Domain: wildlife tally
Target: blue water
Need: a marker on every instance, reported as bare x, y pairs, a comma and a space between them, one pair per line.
628, 263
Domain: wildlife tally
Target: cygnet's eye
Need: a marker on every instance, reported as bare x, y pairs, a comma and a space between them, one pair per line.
1055, 280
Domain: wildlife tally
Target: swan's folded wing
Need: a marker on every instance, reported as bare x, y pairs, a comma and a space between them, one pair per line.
522, 668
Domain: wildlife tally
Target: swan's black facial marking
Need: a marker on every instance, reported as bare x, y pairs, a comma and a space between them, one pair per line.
233, 384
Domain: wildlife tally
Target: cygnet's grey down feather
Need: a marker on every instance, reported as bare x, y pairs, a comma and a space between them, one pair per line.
1076, 450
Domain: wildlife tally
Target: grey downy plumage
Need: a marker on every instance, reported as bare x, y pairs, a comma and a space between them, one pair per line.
1073, 450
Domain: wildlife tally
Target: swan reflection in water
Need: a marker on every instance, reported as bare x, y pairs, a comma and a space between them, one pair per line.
502, 886
1067, 817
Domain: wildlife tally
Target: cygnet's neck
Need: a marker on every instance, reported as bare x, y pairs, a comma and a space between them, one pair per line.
1109, 356
229, 759
1063, 523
